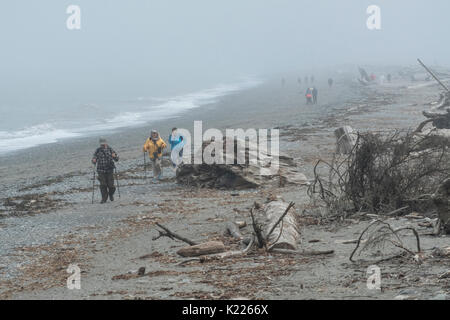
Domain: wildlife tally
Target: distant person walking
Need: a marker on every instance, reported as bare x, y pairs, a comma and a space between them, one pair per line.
155, 145
299, 80
104, 157
312, 79
314, 94
330, 82
174, 140
309, 95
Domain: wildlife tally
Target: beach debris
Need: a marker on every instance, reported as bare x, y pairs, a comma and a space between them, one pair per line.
201, 249
441, 199
440, 114
172, 235
275, 225
30, 204
241, 223
250, 168
345, 139
232, 229
390, 172
222, 255
141, 271
380, 232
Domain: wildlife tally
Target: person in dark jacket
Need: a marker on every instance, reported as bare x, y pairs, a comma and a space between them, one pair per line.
104, 157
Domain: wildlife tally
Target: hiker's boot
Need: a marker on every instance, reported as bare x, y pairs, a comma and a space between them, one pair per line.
104, 192
111, 193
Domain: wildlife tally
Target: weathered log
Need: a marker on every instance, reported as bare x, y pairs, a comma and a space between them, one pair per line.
282, 234
441, 200
345, 139
232, 229
251, 167
202, 249
222, 255
440, 119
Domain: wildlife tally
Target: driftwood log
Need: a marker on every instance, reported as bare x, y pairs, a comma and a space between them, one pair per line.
233, 230
201, 249
345, 139
441, 200
278, 225
250, 168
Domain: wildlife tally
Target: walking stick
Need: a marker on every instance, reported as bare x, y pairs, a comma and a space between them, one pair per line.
93, 186
117, 179
145, 167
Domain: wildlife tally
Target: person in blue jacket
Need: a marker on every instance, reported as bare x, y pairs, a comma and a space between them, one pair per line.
174, 139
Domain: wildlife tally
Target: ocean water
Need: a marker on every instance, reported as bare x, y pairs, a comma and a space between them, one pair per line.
22, 128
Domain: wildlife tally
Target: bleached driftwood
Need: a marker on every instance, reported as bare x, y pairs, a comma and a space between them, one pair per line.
250, 167
232, 229
345, 139
441, 200
222, 255
278, 234
205, 248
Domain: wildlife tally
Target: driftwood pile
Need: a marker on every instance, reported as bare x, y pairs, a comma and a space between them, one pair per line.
275, 229
244, 175
383, 173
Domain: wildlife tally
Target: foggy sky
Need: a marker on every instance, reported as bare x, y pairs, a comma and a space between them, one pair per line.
139, 47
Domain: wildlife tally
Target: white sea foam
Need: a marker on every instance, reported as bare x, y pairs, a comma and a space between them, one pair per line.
162, 108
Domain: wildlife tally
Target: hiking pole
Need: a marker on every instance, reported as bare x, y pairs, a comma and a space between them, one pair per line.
117, 180
145, 167
93, 185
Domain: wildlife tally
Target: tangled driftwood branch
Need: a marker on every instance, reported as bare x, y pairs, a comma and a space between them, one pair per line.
384, 234
382, 173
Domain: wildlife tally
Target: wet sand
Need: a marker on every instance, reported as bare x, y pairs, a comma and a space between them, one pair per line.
111, 242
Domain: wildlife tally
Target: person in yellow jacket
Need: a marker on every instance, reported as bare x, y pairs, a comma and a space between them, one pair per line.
155, 146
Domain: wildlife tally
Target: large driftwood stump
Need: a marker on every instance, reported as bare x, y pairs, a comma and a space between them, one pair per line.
250, 167
345, 139
202, 249
442, 201
286, 234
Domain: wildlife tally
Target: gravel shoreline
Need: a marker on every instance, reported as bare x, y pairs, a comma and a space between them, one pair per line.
107, 241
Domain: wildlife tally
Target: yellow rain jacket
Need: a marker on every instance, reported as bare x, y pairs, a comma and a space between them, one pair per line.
151, 147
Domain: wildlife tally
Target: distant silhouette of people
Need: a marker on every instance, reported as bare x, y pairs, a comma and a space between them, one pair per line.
283, 82
314, 93
299, 80
309, 95
330, 82
312, 79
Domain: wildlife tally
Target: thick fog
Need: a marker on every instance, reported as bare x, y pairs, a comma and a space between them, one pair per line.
137, 48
